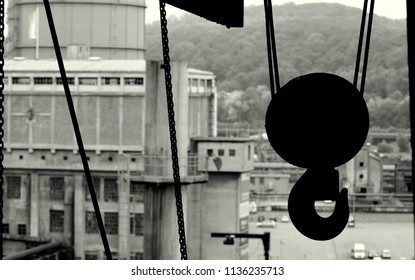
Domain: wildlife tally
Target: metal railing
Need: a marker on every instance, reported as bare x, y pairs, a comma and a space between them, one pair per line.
193, 166
381, 202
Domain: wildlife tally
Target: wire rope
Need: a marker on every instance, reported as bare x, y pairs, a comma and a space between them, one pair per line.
77, 130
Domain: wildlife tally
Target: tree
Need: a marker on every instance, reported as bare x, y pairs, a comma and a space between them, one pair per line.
403, 144
384, 147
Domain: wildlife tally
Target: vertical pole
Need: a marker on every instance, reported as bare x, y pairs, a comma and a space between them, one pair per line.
410, 8
37, 33
266, 241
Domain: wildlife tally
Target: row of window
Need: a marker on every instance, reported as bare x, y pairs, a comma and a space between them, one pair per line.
261, 180
129, 81
21, 229
221, 152
111, 223
57, 189
57, 218
111, 190
205, 85
94, 255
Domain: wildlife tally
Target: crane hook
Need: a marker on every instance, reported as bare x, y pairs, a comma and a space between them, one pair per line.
318, 184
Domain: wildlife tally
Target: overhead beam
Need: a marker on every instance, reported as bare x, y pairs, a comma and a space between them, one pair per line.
229, 12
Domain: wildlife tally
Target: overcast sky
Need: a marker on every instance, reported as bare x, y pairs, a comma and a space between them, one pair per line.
395, 9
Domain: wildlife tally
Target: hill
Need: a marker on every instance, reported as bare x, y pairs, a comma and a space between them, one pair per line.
318, 37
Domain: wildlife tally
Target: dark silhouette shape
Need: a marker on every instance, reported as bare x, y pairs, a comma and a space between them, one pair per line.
317, 121
218, 163
228, 13
316, 184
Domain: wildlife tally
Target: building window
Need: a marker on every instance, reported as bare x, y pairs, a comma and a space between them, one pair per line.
57, 188
21, 229
261, 180
110, 81
6, 228
136, 256
114, 255
88, 81
5, 80
232, 152
195, 82
361, 176
252, 180
71, 81
91, 255
110, 190
111, 223
21, 80
91, 224
97, 188
361, 164
249, 152
43, 81
136, 192
221, 152
13, 187
136, 223
56, 220
134, 81
209, 86
210, 152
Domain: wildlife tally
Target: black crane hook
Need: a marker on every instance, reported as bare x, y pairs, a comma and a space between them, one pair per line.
318, 121
301, 204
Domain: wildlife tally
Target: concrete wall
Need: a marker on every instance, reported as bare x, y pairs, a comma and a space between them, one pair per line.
161, 238
216, 207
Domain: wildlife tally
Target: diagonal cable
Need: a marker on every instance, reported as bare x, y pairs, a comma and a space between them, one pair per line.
271, 48
173, 140
360, 43
367, 47
77, 130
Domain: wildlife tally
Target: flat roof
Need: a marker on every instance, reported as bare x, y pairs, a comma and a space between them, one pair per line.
51, 65
221, 139
199, 72
86, 65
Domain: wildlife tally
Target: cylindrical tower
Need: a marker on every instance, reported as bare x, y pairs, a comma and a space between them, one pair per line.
110, 29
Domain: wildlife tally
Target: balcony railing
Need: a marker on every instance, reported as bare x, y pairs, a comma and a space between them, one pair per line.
159, 168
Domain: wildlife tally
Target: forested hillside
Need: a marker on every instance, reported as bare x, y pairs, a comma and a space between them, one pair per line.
310, 38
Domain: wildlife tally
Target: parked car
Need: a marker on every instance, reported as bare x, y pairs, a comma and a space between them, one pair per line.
358, 251
266, 223
285, 219
351, 222
373, 254
386, 254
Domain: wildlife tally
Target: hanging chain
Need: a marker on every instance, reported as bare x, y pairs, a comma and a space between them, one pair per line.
173, 140
1, 128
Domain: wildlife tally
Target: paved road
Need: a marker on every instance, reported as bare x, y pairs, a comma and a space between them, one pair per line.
376, 231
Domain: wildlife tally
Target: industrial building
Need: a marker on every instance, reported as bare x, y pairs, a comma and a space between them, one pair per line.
121, 108
123, 120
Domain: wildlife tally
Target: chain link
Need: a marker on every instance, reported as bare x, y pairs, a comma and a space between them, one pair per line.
173, 139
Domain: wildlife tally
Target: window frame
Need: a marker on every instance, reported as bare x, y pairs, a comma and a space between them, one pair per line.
53, 216
13, 191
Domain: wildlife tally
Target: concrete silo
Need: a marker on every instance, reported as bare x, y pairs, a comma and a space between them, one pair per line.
110, 29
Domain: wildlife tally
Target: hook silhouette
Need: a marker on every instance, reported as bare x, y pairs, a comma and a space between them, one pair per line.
305, 218
318, 121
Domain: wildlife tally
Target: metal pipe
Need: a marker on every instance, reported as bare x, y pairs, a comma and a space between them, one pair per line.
35, 250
